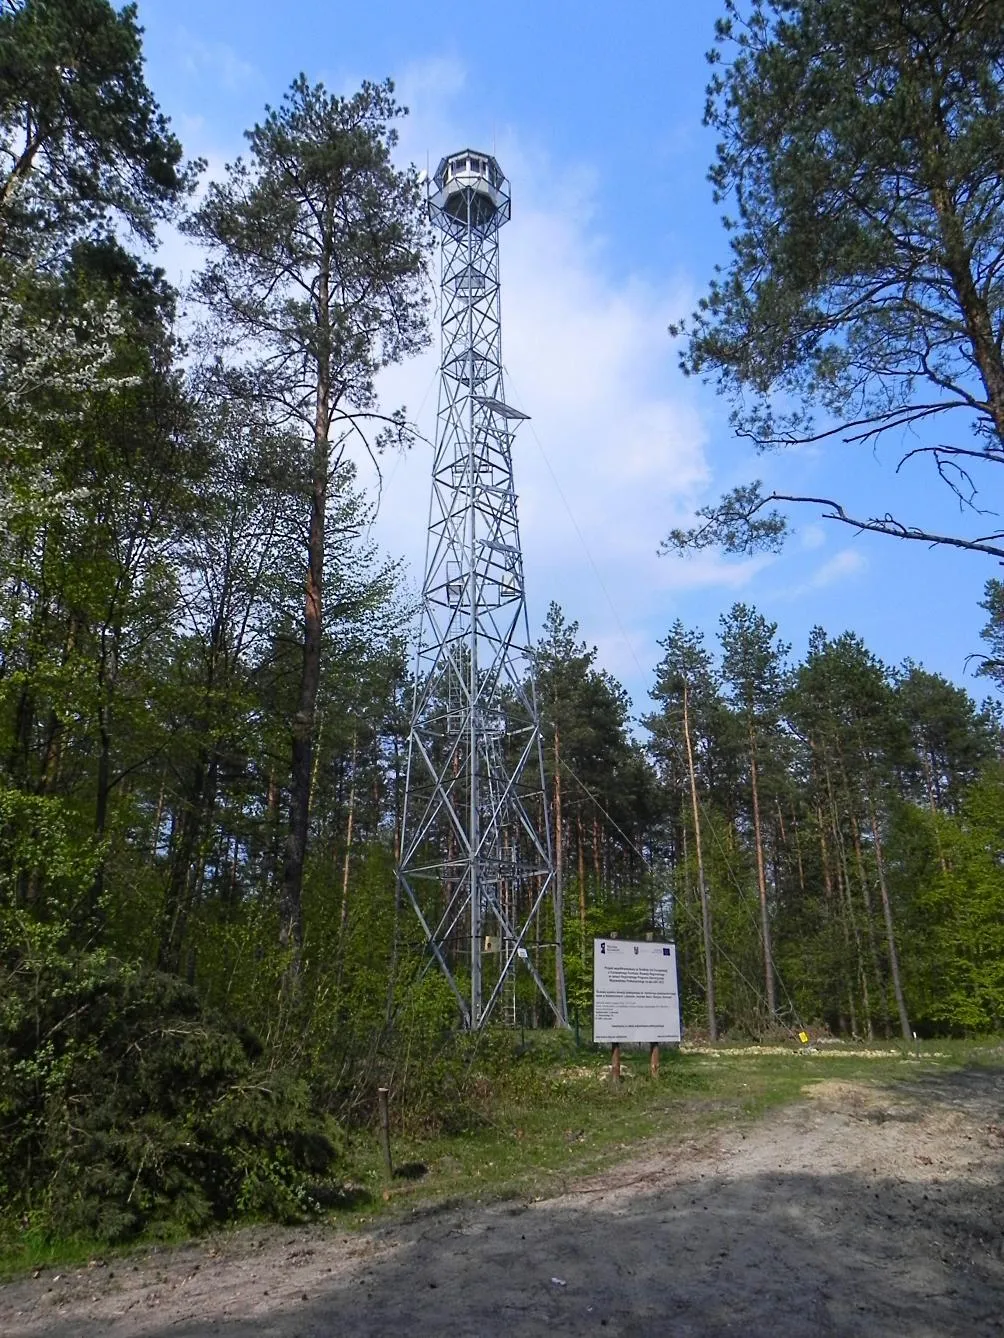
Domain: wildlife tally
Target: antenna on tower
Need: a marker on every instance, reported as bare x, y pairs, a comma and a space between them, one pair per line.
476, 861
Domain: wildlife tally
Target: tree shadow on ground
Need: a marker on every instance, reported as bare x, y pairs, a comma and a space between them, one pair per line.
778, 1248
972, 1090
778, 1254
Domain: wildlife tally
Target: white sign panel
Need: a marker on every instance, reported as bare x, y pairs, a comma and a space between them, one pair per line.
635, 992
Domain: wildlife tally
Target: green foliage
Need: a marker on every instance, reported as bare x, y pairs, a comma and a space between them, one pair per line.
84, 147
626, 913
44, 861
127, 1106
316, 247
318, 194
959, 928
741, 521
992, 665
953, 739
171, 1053
853, 134
858, 152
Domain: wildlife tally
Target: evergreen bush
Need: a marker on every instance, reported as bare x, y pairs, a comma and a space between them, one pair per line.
127, 1106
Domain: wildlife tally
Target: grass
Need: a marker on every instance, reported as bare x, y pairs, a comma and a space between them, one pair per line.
563, 1118
551, 1114
33, 1251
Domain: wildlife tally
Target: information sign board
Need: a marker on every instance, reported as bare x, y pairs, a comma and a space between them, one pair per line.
635, 992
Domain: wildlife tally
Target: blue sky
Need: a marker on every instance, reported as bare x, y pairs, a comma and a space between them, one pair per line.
594, 111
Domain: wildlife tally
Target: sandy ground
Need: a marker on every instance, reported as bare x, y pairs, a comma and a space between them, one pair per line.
862, 1210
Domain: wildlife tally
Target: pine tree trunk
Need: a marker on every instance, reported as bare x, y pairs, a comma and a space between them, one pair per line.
768, 954
841, 917
850, 933
343, 916
709, 974
798, 856
933, 805
274, 813
845, 882
597, 867
561, 1001
291, 895
846, 972
397, 801
580, 837
897, 984
103, 791
187, 861
159, 815
870, 925
106, 678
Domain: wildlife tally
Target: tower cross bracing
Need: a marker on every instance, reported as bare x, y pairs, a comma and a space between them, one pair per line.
476, 860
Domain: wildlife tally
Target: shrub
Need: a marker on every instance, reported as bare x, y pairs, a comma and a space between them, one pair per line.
127, 1106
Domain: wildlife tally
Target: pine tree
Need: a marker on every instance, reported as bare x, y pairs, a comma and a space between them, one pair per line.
83, 143
859, 151
316, 255
686, 687
753, 666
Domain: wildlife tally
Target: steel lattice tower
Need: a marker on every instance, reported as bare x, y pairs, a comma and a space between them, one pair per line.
475, 843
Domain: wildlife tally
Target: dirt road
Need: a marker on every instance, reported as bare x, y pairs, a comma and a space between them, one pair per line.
864, 1210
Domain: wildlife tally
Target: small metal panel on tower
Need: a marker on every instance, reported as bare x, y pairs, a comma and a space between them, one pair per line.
476, 859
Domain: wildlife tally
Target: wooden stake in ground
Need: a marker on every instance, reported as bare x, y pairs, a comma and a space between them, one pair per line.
615, 1062
653, 1059
382, 1103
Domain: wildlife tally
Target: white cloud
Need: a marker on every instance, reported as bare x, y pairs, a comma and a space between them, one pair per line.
705, 571
847, 563
215, 60
615, 437
431, 84
812, 536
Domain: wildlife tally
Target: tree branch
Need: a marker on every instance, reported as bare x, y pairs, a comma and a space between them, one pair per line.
744, 522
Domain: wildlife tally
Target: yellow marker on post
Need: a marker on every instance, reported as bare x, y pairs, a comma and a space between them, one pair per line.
803, 1037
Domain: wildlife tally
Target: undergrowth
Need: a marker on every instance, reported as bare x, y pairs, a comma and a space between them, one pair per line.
128, 1108
131, 1112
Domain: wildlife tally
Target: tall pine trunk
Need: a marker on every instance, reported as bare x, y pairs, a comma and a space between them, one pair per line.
561, 1000
709, 974
768, 952
291, 895
897, 984
343, 916
870, 926
844, 879
841, 920
184, 871
932, 800
580, 837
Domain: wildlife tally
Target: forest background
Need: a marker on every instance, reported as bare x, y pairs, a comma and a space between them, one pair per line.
206, 971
